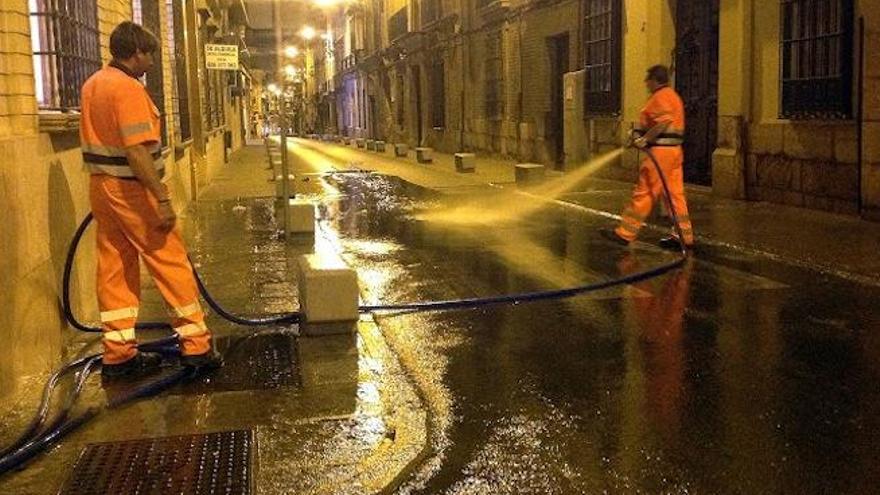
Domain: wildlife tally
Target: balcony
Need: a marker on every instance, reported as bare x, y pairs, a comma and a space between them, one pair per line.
398, 24
349, 62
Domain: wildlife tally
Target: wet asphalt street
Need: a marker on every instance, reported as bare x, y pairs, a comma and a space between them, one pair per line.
733, 374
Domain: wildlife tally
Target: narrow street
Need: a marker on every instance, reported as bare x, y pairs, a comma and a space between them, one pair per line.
735, 374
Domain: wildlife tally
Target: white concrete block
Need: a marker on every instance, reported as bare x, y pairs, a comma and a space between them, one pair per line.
370, 145
300, 216
424, 155
328, 289
361, 142
401, 149
380, 146
529, 173
465, 162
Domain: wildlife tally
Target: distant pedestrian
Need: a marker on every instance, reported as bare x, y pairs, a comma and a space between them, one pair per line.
121, 146
661, 130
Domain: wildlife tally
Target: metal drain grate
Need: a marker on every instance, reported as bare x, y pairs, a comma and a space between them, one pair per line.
254, 362
212, 463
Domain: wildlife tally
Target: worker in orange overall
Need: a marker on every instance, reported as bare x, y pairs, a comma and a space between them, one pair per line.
661, 131
121, 148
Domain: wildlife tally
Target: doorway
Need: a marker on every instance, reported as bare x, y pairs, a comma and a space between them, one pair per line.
696, 80
417, 87
558, 51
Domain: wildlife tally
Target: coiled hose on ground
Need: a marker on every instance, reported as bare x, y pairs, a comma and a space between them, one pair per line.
36, 439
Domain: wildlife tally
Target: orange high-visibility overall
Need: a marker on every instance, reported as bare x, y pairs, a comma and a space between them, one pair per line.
117, 113
664, 106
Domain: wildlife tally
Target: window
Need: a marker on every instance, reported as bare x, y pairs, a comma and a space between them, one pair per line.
602, 28
816, 59
64, 39
399, 97
398, 24
430, 10
494, 76
177, 49
146, 12
438, 95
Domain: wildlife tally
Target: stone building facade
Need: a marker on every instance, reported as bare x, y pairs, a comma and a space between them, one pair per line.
561, 81
43, 182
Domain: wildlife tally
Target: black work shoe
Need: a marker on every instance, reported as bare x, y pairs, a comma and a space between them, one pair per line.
613, 237
210, 360
142, 363
673, 243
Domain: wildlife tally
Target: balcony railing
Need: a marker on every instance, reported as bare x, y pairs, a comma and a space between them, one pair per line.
398, 24
350, 61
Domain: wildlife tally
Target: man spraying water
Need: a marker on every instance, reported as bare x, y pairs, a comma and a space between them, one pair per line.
661, 130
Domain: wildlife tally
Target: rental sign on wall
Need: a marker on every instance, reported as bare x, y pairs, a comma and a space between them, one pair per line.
221, 57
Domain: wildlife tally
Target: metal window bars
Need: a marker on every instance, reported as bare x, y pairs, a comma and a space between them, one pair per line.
816, 58
65, 42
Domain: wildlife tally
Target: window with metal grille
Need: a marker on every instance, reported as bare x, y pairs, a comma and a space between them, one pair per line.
602, 60
438, 95
146, 13
64, 39
494, 76
816, 59
177, 50
398, 24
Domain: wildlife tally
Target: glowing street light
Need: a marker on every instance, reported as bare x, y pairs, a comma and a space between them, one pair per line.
327, 3
273, 88
290, 70
308, 32
291, 51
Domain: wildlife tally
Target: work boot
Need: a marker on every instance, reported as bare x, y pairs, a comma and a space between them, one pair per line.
143, 363
210, 360
673, 243
613, 237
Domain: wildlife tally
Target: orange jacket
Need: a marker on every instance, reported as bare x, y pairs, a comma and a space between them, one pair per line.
117, 113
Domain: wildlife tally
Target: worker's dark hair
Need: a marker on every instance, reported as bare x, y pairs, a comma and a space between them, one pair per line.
659, 73
128, 38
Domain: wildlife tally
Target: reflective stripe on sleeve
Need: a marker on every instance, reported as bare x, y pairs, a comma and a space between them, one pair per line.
134, 129
121, 336
118, 314
192, 329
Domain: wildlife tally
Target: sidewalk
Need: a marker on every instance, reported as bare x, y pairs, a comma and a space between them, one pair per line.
334, 414
835, 244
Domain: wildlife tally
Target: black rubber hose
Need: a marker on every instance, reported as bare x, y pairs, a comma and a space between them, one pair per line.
43, 409
65, 285
68, 311
551, 294
61, 426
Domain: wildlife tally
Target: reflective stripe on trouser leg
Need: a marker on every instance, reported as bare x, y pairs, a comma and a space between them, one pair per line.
672, 167
164, 255
640, 204
118, 277
194, 337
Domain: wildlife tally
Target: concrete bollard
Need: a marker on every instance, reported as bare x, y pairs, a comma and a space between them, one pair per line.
300, 216
424, 155
360, 142
401, 149
328, 289
465, 162
371, 145
380, 146
528, 174
345, 140
279, 185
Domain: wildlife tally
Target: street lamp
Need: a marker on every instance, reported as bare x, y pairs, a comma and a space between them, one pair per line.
308, 33
290, 71
291, 51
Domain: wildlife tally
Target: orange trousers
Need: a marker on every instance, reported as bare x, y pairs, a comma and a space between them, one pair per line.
128, 230
649, 189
